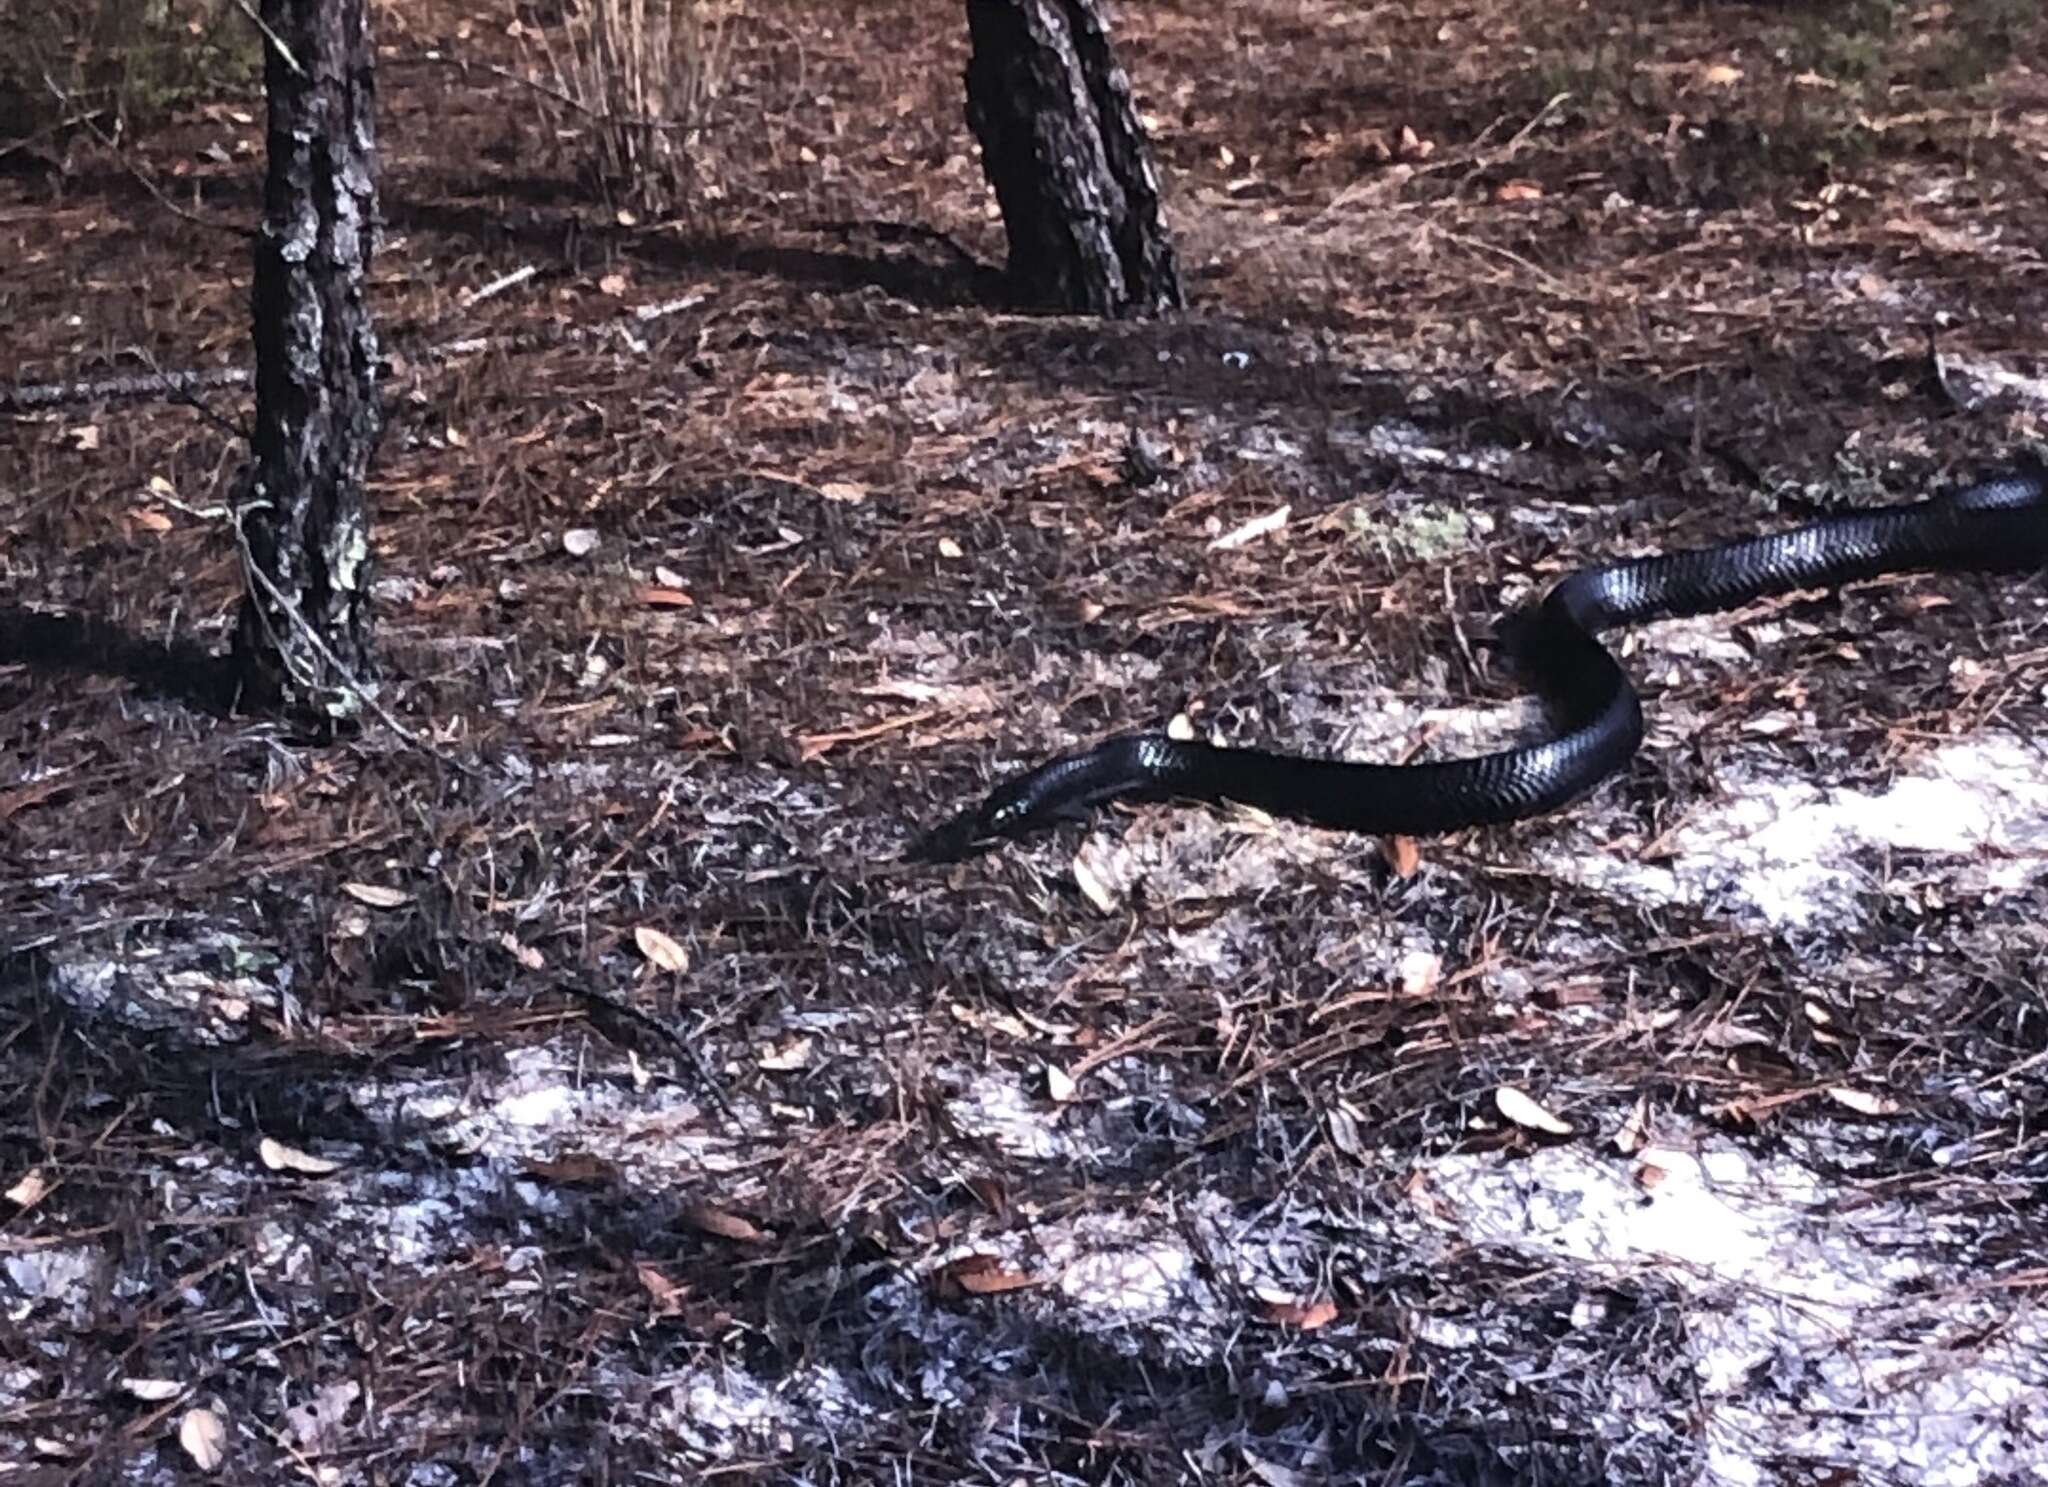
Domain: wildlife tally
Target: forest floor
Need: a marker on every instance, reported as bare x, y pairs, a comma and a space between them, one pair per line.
587, 1089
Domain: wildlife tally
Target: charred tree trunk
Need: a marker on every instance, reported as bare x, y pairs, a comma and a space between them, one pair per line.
1062, 145
304, 637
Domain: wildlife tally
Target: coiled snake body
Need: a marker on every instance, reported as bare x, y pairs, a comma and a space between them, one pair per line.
1998, 525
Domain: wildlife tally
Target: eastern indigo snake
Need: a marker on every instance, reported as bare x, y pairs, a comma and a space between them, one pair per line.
1997, 525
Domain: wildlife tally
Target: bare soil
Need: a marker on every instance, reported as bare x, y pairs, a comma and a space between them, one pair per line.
345, 1098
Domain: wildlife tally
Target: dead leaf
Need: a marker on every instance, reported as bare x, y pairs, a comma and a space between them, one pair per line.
1420, 971
1863, 1102
30, 1191
1649, 1175
1344, 1131
85, 438
580, 542
1251, 531
204, 1435
1525, 1112
1093, 885
1297, 1312
526, 955
662, 596
666, 1295
612, 284
1409, 145
1721, 75
984, 1275
376, 895
1404, 855
14, 801
994, 1196
792, 1053
843, 490
661, 949
315, 1421
573, 1169
948, 548
1634, 1134
1060, 1087
152, 1391
1518, 190
724, 1224
150, 519
281, 1158
1730, 1035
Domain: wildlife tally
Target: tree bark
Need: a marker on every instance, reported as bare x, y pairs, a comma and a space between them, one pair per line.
304, 638
1071, 168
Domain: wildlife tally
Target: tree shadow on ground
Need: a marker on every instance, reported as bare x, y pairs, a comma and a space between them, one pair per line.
923, 268
67, 644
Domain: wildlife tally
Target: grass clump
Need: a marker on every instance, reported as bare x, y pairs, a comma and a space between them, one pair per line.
634, 82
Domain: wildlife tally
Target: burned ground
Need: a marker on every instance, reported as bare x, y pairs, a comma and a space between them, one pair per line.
343, 1094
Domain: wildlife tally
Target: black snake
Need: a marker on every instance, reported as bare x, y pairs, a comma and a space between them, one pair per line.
1997, 525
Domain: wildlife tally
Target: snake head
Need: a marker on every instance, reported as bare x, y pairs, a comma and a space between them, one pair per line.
1061, 790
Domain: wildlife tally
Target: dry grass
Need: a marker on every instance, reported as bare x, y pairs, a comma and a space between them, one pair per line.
635, 82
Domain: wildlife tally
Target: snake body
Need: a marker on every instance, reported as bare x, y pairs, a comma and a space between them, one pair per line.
1997, 525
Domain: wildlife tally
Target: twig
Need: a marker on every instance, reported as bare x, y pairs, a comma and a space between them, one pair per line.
499, 285
271, 36
57, 128
351, 684
113, 146
161, 384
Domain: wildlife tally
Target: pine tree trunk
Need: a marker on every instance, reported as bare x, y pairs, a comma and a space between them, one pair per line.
305, 625
1062, 145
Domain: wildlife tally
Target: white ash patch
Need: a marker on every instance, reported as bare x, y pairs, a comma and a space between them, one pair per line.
997, 1109
203, 988
726, 1410
1820, 1340
551, 1099
1400, 440
60, 1276
1139, 1280
1785, 850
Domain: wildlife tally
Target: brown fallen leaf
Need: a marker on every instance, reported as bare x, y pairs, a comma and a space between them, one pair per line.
791, 1053
20, 799
983, 1275
281, 1158
573, 1168
1862, 1101
1404, 855
661, 949
661, 596
1297, 1312
525, 954
725, 1224
376, 895
1518, 190
31, 1190
1525, 1112
204, 1435
665, 1294
1060, 1087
